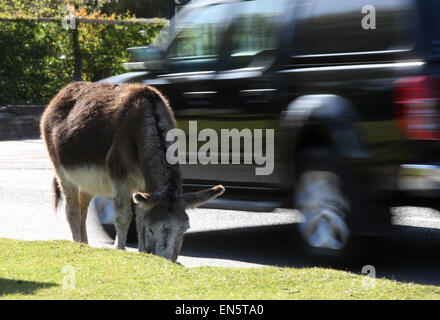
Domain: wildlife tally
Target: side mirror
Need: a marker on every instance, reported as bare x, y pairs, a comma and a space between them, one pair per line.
149, 58
264, 58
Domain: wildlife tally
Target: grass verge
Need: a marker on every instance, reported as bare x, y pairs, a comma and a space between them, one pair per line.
67, 270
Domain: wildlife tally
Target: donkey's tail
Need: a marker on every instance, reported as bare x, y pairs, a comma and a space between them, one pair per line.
57, 191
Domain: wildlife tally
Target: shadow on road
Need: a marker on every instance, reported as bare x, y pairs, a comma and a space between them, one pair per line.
267, 245
8, 286
409, 254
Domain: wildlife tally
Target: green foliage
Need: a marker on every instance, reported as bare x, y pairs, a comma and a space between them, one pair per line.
44, 8
54, 8
37, 58
103, 47
34, 61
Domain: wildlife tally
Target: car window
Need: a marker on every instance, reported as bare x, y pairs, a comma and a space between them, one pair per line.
328, 27
430, 17
253, 30
198, 35
254, 26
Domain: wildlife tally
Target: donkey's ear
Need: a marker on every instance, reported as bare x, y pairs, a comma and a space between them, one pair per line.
195, 199
148, 200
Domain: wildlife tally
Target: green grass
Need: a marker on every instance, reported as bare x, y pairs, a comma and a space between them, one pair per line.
38, 270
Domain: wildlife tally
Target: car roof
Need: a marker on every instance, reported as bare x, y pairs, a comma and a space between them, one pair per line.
201, 3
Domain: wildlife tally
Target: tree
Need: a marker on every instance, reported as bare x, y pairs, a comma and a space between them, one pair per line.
44, 8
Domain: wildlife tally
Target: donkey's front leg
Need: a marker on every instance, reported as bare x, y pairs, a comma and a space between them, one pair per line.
140, 225
123, 216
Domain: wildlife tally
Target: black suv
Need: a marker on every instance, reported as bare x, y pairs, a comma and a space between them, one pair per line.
350, 90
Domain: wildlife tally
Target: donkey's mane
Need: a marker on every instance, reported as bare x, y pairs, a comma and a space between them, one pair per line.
149, 97
174, 176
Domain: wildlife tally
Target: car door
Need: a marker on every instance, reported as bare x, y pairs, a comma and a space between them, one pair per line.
247, 84
192, 60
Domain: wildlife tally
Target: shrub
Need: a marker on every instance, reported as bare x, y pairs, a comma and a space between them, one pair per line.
37, 58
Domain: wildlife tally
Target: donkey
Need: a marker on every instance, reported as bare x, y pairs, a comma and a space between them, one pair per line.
110, 139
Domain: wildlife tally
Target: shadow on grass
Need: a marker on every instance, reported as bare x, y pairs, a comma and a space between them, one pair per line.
8, 286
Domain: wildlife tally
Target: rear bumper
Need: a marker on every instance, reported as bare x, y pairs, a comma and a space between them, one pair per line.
422, 180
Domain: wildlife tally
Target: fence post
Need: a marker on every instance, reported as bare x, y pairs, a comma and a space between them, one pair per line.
77, 67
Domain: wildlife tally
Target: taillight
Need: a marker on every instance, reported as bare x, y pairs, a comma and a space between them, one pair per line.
417, 107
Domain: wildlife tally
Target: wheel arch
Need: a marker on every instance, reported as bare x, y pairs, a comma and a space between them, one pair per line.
320, 120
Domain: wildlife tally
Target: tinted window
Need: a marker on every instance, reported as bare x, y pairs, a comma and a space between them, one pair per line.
430, 16
254, 26
199, 33
336, 26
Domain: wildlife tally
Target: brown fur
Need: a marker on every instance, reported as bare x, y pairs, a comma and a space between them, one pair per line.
110, 139
89, 123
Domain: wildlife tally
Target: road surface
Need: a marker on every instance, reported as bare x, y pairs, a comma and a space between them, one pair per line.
216, 237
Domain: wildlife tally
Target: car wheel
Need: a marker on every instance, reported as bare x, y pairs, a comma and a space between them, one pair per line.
103, 206
322, 199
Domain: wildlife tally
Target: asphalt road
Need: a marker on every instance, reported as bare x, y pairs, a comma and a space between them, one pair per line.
216, 237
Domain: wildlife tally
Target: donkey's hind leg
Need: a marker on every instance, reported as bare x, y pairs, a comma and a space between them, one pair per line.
73, 212
84, 201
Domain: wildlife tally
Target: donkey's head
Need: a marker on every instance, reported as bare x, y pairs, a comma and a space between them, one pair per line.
162, 222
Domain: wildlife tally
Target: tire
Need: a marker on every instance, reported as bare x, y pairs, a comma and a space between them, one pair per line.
131, 234
323, 198
104, 208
